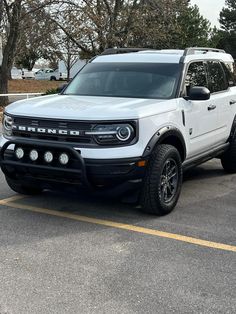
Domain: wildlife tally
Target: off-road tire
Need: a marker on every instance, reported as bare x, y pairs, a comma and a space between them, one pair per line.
228, 160
151, 194
20, 188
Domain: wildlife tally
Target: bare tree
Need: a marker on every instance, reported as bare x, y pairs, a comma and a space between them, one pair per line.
101, 24
13, 14
69, 54
35, 40
97, 24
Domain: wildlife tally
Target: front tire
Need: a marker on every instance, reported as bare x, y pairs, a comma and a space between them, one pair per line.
228, 160
20, 188
163, 181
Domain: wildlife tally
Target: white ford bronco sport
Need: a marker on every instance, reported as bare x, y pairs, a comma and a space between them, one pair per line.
127, 121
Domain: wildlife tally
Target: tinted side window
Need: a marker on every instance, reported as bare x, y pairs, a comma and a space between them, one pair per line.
229, 73
196, 75
217, 80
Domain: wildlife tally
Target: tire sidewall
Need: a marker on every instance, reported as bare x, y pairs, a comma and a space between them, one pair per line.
168, 207
228, 160
151, 200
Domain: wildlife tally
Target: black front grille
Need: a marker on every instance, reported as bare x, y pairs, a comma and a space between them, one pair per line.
82, 127
53, 123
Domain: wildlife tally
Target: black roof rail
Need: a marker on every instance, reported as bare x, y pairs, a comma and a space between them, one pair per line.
192, 50
112, 51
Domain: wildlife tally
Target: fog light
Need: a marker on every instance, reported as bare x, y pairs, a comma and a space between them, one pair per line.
34, 155
48, 157
64, 159
19, 153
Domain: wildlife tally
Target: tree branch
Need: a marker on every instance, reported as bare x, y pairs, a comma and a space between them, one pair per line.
70, 37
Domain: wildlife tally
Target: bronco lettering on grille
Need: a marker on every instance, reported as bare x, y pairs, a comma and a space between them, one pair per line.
46, 130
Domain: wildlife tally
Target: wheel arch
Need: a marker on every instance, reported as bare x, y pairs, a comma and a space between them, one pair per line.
167, 135
233, 130
53, 78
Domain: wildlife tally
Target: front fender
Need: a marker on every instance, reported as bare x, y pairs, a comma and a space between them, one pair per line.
162, 135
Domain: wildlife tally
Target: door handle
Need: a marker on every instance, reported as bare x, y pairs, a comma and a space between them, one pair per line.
211, 107
232, 102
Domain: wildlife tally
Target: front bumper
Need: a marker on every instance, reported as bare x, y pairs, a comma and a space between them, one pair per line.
91, 173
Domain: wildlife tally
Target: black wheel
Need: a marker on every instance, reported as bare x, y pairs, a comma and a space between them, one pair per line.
228, 160
163, 181
52, 78
20, 188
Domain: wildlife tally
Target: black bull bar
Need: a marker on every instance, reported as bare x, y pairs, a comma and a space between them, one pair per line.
29, 144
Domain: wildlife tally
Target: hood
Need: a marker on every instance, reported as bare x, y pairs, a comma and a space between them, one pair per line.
89, 107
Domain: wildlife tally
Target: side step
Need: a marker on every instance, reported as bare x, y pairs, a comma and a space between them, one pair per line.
203, 157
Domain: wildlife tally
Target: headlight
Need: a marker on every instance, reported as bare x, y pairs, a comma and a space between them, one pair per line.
7, 125
124, 133
108, 134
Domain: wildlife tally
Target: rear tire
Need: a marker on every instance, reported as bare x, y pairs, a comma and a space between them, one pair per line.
228, 160
163, 181
20, 188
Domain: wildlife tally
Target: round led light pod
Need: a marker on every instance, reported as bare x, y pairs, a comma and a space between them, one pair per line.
64, 159
33, 155
19, 152
48, 157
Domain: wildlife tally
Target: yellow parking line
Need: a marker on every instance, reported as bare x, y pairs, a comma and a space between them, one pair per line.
127, 227
11, 199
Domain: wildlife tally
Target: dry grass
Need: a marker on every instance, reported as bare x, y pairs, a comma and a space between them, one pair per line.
32, 86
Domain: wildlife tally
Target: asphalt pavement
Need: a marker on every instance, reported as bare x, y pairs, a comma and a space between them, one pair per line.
67, 252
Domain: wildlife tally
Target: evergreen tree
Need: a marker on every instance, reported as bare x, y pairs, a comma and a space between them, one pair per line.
228, 24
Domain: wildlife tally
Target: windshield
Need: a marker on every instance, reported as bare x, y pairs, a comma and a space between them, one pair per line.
136, 80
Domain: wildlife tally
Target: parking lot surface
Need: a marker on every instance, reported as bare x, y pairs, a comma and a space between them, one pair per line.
74, 253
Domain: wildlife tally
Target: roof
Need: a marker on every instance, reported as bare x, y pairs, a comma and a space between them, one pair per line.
134, 57
164, 56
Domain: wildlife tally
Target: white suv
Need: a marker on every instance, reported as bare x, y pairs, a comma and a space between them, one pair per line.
127, 121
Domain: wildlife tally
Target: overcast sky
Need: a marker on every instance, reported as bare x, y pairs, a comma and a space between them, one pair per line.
210, 9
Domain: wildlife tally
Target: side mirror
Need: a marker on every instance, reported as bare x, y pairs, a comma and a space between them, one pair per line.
61, 88
198, 93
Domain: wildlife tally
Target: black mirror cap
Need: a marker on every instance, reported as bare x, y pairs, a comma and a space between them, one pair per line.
199, 93
61, 88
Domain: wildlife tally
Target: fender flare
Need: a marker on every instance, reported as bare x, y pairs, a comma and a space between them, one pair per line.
161, 135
